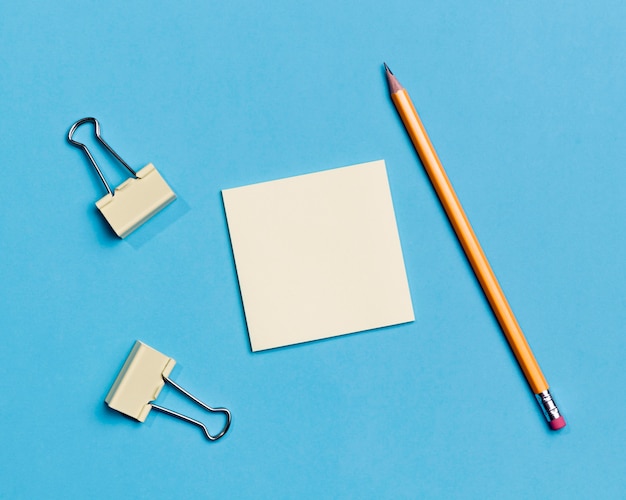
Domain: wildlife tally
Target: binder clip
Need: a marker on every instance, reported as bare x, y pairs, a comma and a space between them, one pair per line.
135, 200
140, 381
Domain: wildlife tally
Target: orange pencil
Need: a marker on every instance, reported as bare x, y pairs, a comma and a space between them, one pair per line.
474, 252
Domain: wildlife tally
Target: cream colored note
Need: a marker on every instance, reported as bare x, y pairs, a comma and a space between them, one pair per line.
318, 255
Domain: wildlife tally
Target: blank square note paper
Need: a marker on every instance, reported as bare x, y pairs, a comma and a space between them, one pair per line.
318, 255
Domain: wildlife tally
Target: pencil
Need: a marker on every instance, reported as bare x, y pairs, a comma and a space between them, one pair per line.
474, 252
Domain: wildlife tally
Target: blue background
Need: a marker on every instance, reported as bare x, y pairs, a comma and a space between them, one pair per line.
525, 104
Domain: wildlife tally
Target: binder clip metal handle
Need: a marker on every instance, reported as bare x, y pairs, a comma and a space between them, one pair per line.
96, 125
173, 413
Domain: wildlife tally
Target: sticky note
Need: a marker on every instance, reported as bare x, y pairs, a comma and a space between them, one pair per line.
318, 255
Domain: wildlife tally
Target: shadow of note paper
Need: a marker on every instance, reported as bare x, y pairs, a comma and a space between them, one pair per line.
318, 255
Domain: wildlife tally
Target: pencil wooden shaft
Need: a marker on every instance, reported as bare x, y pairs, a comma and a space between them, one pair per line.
469, 242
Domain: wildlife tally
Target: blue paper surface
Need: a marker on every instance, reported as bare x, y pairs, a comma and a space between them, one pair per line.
525, 105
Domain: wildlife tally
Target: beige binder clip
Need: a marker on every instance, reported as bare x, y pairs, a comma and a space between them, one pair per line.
140, 381
135, 200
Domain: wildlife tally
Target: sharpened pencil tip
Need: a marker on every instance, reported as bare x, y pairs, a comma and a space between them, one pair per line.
392, 81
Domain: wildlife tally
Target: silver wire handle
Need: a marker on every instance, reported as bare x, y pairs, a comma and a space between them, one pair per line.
173, 413
103, 142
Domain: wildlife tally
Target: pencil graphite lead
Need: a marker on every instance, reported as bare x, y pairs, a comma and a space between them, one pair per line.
387, 68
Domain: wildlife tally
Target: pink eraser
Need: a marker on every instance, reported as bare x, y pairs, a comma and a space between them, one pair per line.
557, 423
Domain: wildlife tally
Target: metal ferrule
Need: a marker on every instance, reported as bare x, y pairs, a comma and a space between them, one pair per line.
548, 406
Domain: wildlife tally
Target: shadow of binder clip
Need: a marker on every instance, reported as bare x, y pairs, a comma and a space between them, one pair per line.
140, 381
134, 201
